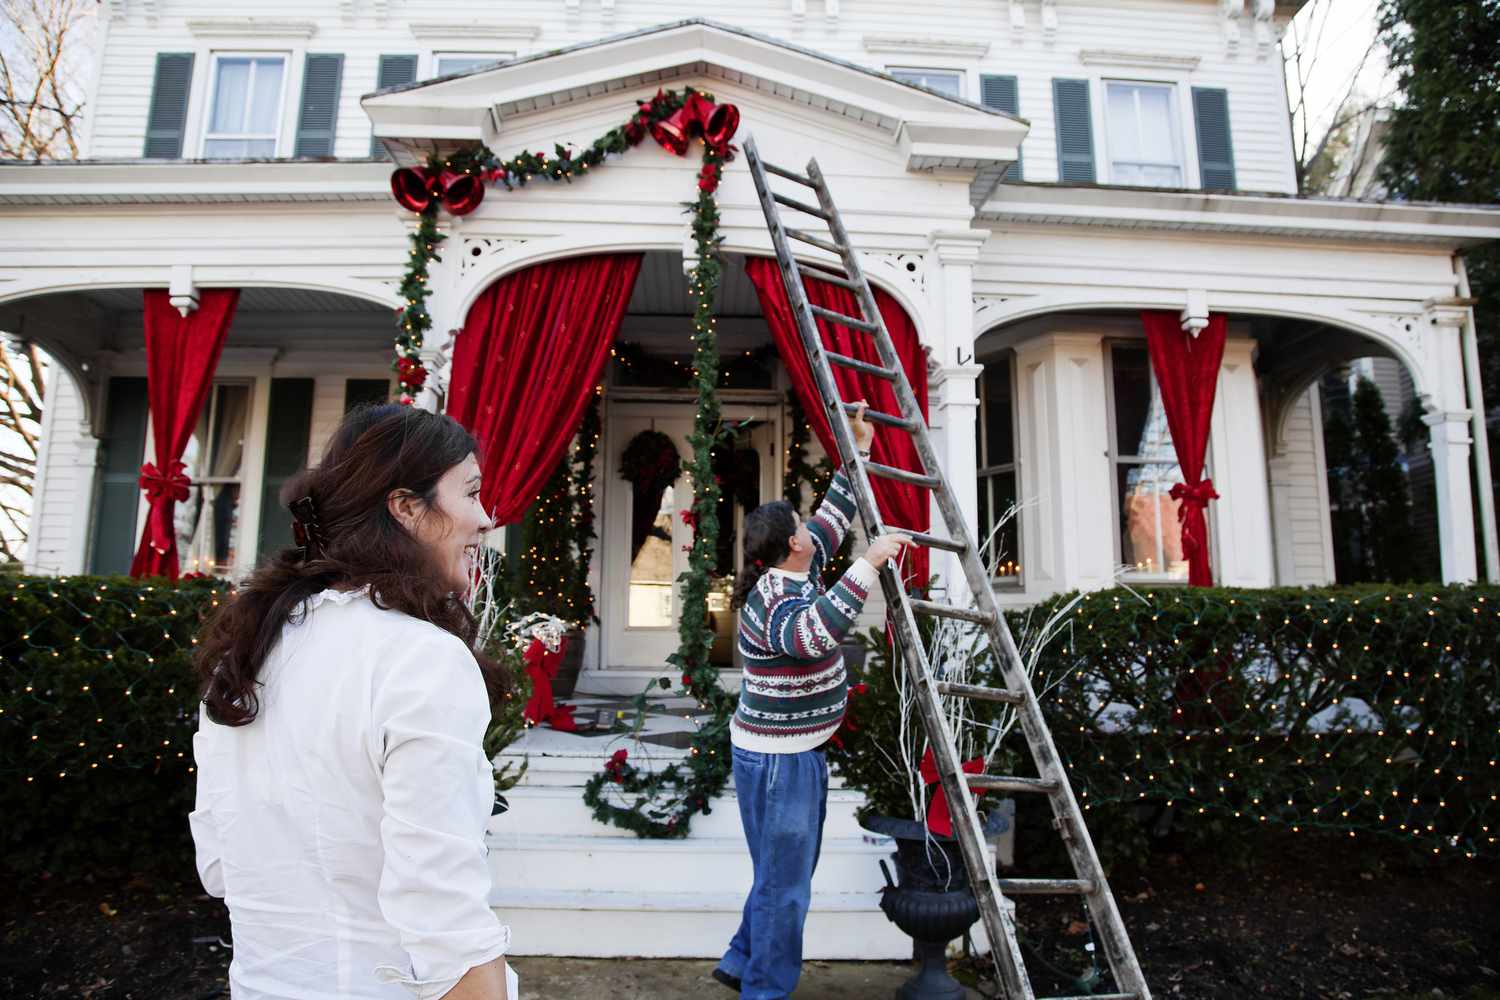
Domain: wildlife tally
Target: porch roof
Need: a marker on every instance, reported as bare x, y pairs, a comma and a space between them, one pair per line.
933, 130
1450, 226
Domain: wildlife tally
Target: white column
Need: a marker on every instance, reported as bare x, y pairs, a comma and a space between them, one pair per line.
1450, 444
1068, 518
952, 398
1241, 517
442, 306
86, 460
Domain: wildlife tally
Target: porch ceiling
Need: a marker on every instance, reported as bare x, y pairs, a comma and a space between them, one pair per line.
932, 130
252, 300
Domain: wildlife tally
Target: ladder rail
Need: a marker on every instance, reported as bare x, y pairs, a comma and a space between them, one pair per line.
1068, 818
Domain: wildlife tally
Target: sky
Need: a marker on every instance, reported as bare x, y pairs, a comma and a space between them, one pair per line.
1342, 31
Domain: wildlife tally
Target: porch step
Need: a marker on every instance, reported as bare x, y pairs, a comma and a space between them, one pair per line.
696, 865
588, 924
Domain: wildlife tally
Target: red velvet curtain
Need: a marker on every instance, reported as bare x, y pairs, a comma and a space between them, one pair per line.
182, 353
1187, 371
901, 505
530, 353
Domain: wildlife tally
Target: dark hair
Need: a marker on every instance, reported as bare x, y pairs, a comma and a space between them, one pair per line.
767, 529
355, 542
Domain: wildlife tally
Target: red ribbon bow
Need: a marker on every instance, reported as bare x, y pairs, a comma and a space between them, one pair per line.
163, 490
1193, 500
939, 820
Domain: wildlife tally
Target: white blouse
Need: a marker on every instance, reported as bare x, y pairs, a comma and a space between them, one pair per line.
345, 826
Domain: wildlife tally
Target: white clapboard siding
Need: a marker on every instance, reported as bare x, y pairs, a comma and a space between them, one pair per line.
52, 545
1305, 514
880, 34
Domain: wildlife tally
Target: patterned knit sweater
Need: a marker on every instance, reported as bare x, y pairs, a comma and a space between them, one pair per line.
794, 690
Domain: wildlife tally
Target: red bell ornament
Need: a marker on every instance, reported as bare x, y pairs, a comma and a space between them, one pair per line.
410, 186
720, 125
675, 133
461, 193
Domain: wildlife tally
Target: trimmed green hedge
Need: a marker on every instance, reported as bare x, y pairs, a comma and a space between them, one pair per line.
98, 706
1365, 711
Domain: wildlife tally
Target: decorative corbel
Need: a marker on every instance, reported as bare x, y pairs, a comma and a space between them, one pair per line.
181, 291
1265, 36
607, 8
1231, 11
1018, 16
799, 9
1049, 21
831, 9
1194, 317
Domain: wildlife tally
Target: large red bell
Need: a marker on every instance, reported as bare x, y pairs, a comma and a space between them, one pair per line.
410, 186
675, 133
461, 193
720, 125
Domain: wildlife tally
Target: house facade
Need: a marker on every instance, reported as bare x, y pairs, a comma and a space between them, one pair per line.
1024, 177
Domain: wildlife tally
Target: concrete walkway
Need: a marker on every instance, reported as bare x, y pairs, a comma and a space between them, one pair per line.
677, 979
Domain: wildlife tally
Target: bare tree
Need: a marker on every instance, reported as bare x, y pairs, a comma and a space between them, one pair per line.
23, 390
42, 53
1336, 86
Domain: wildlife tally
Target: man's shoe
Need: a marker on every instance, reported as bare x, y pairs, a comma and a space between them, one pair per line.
727, 979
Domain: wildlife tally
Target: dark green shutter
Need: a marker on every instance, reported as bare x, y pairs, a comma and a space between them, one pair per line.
168, 109
1215, 148
1075, 130
319, 116
393, 72
1002, 94
366, 390
288, 427
121, 453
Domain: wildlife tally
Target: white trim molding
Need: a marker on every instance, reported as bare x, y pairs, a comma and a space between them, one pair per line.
250, 27
469, 30
1139, 60
927, 45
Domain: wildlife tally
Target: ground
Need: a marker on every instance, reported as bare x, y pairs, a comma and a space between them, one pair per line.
1308, 920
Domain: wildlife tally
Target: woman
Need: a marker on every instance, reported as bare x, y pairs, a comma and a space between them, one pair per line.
792, 699
343, 791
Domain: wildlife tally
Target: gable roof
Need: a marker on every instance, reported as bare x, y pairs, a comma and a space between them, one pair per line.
933, 130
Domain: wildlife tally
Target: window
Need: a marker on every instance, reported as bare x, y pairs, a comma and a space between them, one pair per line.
999, 521
1142, 129
208, 523
444, 63
944, 81
245, 113
1145, 466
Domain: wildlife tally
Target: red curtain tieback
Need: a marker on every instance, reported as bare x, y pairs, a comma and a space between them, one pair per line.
1196, 494
164, 490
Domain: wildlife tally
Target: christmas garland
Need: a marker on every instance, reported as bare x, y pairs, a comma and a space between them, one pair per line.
666, 800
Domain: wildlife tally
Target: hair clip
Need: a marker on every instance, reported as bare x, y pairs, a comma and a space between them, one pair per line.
305, 529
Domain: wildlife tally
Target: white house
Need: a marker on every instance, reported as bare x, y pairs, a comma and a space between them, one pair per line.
1022, 176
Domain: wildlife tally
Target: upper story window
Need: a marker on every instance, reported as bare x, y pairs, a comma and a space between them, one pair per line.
1145, 466
1144, 143
444, 63
944, 81
245, 116
999, 520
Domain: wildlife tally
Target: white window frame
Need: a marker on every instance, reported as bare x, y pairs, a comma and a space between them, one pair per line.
1115, 461
985, 473
1186, 165
211, 90
437, 55
961, 74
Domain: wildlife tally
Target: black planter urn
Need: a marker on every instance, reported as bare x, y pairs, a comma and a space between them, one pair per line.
930, 901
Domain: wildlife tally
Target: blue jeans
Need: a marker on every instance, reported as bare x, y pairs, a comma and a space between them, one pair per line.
783, 802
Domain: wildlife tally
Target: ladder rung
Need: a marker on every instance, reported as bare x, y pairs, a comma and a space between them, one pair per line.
842, 320
950, 610
844, 361
1096, 996
800, 206
830, 277
929, 541
879, 417
772, 168
1004, 783
979, 693
901, 475
1045, 886
821, 244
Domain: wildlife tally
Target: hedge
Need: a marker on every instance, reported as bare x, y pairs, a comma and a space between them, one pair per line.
1366, 712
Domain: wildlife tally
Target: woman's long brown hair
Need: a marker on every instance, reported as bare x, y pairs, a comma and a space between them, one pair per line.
375, 451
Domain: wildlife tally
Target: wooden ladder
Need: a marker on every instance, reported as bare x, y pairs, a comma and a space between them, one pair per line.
1051, 779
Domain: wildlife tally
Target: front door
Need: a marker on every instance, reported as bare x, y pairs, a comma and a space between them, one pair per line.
644, 540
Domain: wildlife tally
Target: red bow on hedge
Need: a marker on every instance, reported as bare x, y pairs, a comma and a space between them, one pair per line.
416, 188
172, 485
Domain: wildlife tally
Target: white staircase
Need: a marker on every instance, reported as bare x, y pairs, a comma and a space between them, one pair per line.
568, 885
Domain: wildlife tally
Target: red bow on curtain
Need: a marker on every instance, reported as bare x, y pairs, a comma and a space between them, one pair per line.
182, 353
1187, 372
529, 354
939, 819
901, 504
